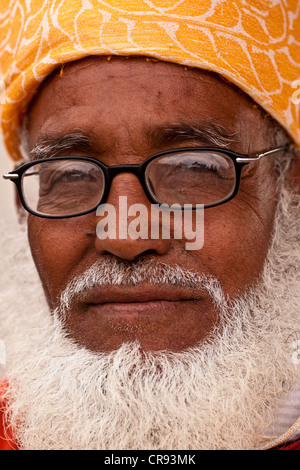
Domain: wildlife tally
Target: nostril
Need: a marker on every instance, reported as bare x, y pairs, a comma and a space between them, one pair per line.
131, 249
145, 255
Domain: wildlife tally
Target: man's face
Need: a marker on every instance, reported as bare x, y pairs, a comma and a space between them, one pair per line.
125, 107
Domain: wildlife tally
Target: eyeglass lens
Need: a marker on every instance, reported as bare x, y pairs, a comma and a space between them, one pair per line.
191, 177
63, 187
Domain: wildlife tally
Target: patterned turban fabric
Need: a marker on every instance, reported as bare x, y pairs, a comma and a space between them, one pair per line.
254, 44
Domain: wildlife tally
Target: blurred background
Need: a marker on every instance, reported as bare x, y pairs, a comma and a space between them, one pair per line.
7, 207
7, 215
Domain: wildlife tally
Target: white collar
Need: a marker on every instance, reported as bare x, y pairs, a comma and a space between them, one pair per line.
286, 426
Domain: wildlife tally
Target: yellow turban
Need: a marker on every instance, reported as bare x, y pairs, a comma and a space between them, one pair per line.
254, 44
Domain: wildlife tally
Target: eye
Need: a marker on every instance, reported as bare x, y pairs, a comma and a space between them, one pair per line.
202, 166
73, 176
54, 173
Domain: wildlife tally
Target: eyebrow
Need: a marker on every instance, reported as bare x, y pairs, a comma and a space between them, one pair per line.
209, 133
52, 146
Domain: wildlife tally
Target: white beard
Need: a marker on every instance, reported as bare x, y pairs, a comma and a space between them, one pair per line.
223, 394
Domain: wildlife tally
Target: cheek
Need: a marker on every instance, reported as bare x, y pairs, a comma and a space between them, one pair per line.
235, 247
59, 248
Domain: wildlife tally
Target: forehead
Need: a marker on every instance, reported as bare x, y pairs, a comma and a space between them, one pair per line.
106, 92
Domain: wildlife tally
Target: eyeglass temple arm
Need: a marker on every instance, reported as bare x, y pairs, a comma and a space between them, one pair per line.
261, 155
10, 176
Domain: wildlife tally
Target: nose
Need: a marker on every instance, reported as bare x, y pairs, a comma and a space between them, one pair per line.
125, 225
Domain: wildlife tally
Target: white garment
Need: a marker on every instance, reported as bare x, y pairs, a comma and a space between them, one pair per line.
286, 427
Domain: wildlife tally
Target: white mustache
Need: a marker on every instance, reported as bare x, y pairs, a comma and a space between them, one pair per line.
115, 272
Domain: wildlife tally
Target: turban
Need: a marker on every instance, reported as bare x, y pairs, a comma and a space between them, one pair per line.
254, 44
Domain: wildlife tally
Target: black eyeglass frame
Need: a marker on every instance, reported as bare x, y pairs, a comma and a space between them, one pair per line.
139, 170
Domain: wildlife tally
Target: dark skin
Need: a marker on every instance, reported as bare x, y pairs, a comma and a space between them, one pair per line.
118, 103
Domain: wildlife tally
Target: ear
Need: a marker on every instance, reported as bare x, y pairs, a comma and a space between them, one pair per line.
21, 213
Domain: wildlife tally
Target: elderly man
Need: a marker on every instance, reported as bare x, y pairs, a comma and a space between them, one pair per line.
147, 342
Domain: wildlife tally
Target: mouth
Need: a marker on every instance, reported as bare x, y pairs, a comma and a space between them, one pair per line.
159, 316
141, 300
152, 310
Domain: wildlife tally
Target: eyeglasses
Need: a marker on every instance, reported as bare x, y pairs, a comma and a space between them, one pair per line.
63, 187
